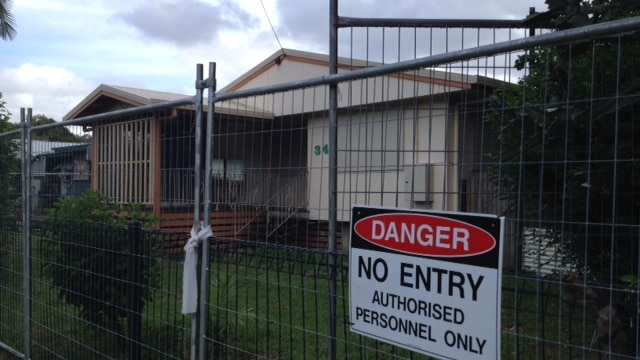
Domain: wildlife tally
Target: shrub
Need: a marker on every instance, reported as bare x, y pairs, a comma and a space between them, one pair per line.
86, 244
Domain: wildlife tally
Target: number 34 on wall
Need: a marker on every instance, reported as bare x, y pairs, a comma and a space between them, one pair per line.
319, 150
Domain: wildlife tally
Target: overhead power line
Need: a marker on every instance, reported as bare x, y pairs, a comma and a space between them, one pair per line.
272, 28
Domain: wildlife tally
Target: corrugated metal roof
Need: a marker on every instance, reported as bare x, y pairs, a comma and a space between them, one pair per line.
39, 147
150, 96
140, 97
349, 64
44, 147
135, 97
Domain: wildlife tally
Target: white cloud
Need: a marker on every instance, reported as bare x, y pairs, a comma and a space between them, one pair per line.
187, 22
49, 90
65, 49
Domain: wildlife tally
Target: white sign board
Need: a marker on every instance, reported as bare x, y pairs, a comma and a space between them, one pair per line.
427, 281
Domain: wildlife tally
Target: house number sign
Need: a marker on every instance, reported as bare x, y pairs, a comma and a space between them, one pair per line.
320, 150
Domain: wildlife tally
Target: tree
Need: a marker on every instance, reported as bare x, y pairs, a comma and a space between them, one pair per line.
5, 116
7, 22
570, 142
569, 159
54, 134
9, 162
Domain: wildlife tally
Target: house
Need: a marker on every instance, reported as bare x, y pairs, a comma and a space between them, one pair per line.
431, 152
63, 170
149, 159
58, 168
271, 157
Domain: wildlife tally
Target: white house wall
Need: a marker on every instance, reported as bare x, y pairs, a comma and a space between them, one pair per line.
377, 151
353, 93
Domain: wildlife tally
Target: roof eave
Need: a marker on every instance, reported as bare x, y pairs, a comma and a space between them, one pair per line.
105, 90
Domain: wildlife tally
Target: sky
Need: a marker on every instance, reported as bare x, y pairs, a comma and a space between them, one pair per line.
64, 49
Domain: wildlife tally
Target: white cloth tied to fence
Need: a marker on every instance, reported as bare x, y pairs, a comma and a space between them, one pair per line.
189, 275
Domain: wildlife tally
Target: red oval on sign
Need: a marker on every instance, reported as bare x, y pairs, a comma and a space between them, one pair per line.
422, 234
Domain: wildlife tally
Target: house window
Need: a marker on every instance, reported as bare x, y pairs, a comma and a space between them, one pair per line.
233, 171
217, 169
124, 161
228, 180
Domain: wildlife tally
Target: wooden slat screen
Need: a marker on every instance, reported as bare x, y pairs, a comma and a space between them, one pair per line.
124, 161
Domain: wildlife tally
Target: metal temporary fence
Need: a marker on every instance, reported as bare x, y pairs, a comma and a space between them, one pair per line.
74, 283
443, 123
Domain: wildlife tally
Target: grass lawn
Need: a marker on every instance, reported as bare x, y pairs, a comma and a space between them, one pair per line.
265, 302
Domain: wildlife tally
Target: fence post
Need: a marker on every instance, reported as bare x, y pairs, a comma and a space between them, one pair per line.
197, 175
204, 276
333, 173
134, 291
25, 157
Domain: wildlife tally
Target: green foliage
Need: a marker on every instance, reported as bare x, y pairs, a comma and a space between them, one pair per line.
86, 250
54, 134
7, 21
569, 140
5, 114
564, 14
9, 162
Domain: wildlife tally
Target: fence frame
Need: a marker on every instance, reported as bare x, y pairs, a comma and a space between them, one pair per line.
334, 78
25, 157
25, 130
199, 324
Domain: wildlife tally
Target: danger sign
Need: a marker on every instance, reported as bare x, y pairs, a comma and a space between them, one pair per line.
427, 281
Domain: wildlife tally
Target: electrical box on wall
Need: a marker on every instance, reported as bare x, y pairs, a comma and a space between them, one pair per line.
419, 182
